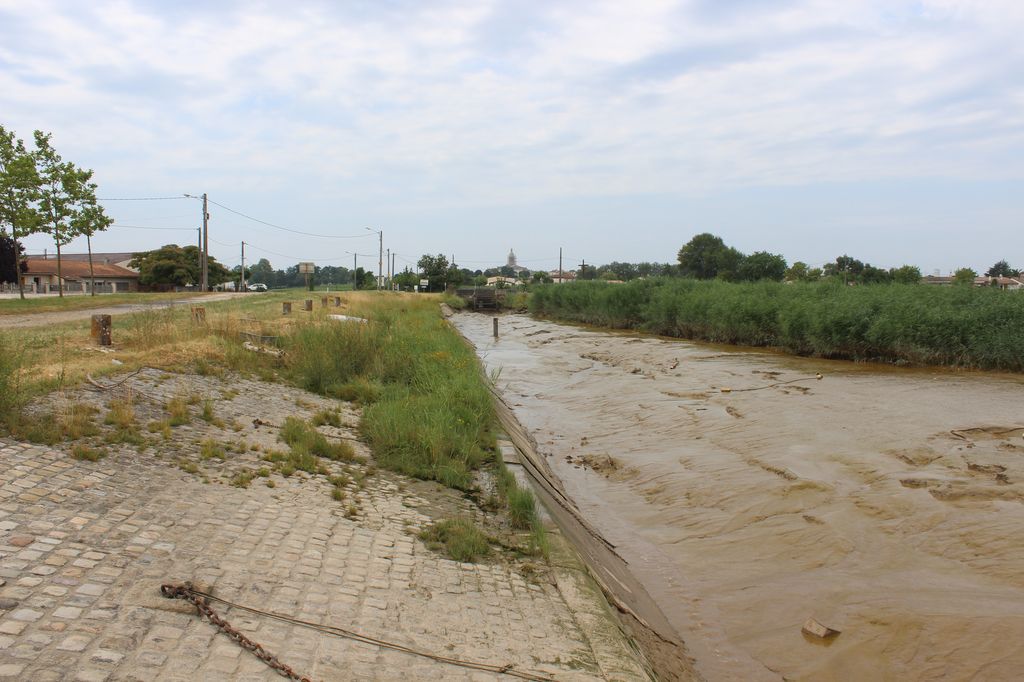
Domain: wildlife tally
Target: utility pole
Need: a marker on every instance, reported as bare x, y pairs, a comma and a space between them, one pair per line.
393, 270
388, 261
559, 264
355, 266
242, 273
206, 246
380, 260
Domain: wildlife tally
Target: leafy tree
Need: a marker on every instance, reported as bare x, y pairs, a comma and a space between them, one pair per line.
88, 219
707, 257
762, 265
872, 275
11, 263
19, 190
434, 269
172, 265
906, 274
1002, 269
67, 198
845, 268
964, 276
406, 279
798, 272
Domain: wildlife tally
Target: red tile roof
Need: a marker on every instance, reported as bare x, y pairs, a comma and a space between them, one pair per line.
74, 269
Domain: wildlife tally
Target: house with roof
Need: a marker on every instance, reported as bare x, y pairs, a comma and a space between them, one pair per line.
41, 277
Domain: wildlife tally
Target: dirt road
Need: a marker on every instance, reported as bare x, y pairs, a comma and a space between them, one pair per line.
61, 316
885, 503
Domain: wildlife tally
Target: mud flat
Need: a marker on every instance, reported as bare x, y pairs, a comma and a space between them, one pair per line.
748, 496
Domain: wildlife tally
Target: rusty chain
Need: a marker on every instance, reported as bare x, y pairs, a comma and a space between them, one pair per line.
201, 601
188, 594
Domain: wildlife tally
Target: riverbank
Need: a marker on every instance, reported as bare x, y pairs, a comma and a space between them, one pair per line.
748, 495
85, 546
956, 326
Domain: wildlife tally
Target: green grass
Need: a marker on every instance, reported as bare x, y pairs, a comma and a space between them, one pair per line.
460, 538
427, 411
54, 303
908, 324
83, 452
303, 438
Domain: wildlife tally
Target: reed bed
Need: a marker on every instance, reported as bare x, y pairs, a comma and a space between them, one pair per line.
957, 326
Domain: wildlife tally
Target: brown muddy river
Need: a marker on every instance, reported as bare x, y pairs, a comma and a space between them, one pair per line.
885, 503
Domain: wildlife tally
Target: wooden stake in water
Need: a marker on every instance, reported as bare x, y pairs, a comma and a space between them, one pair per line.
495, 327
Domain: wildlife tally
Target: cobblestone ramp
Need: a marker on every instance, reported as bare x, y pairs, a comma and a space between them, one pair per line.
85, 546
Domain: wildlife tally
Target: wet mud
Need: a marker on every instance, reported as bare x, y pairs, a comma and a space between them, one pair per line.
749, 496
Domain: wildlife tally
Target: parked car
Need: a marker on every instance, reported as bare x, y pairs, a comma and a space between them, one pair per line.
257, 287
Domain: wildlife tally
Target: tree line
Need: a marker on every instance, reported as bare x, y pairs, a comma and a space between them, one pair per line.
41, 193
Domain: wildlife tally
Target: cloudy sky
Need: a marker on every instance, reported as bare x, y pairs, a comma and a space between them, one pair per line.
889, 130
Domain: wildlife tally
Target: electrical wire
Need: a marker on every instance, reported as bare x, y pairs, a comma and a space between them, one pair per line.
142, 198
149, 227
288, 229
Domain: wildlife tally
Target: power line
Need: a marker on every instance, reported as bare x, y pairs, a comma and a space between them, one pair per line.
140, 198
295, 258
149, 227
288, 229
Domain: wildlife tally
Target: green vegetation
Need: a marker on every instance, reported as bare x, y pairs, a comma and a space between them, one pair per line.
461, 540
431, 416
304, 440
957, 326
211, 449
83, 452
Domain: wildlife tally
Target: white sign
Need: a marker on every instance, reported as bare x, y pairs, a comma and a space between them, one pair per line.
306, 269
424, 282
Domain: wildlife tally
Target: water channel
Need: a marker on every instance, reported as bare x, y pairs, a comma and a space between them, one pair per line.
748, 495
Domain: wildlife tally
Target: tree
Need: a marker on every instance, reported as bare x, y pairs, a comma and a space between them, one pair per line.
1002, 269
906, 274
964, 276
88, 219
19, 190
63, 188
707, 257
172, 265
11, 263
434, 269
845, 268
798, 272
762, 265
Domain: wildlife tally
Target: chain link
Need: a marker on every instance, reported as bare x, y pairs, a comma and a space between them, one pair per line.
188, 594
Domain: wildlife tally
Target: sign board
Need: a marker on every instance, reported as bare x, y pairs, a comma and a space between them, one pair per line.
306, 269
424, 282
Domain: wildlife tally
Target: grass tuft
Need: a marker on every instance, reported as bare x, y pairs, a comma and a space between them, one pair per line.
460, 538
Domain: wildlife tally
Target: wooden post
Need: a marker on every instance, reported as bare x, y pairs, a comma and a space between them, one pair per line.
323, 301
308, 305
101, 327
286, 308
337, 301
495, 327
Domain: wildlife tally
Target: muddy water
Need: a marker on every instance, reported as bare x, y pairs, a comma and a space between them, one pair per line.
884, 503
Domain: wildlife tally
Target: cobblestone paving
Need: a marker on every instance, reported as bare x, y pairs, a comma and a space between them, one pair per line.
85, 546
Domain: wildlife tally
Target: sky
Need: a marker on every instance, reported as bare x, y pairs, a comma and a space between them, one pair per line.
892, 131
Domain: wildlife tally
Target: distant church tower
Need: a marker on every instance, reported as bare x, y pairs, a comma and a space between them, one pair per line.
512, 259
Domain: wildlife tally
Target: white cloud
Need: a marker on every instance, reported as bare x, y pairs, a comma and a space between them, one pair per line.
453, 104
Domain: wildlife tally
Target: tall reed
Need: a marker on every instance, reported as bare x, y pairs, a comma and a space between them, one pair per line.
917, 324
